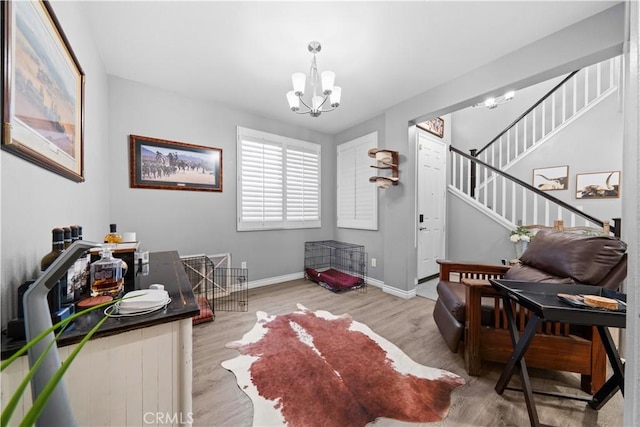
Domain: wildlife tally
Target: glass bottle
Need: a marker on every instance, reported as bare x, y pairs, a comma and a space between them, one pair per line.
85, 267
74, 274
57, 246
66, 283
113, 236
106, 275
67, 237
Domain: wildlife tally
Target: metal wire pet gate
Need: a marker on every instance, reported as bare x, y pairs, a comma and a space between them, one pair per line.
224, 287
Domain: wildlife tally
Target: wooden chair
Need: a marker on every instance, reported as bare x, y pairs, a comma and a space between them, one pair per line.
465, 286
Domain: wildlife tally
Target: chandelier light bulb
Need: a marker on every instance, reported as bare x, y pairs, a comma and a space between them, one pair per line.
294, 101
335, 96
318, 81
328, 78
298, 80
509, 95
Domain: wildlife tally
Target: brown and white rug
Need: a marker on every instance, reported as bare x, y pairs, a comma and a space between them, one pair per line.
316, 369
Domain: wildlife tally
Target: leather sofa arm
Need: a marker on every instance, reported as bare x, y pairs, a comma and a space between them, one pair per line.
470, 269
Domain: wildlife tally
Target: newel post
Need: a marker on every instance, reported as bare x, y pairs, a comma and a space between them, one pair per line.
472, 173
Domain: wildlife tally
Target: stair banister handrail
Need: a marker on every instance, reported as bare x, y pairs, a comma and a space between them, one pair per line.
541, 193
530, 109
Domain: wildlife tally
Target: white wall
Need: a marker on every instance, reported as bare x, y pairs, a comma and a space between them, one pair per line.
34, 200
195, 222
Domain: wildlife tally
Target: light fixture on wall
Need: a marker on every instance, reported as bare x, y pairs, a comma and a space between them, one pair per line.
321, 95
492, 103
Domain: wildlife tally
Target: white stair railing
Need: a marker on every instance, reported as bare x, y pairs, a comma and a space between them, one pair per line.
575, 95
509, 200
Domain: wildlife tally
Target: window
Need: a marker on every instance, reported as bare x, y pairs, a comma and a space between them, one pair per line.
357, 197
278, 182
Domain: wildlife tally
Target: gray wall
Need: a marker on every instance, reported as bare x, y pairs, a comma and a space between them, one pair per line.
34, 200
371, 239
475, 127
584, 43
580, 146
194, 222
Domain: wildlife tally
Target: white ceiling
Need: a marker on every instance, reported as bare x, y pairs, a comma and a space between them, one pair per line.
242, 54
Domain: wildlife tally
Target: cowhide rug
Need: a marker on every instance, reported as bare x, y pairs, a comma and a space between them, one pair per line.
316, 369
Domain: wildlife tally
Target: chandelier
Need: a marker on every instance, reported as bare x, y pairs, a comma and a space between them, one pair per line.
492, 103
320, 94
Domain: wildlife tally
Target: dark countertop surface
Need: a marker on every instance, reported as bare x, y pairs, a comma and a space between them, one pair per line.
164, 268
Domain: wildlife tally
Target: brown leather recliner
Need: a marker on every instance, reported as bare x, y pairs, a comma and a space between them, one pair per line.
552, 256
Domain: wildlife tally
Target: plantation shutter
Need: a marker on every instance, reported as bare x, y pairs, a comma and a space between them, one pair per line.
261, 183
303, 184
278, 182
357, 198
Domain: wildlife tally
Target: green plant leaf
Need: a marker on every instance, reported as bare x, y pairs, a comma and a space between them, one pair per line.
40, 336
41, 401
7, 412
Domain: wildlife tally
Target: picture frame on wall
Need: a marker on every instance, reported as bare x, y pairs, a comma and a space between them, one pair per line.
598, 185
170, 165
551, 178
433, 126
43, 87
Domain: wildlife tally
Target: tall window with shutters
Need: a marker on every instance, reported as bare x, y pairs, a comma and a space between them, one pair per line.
278, 182
357, 197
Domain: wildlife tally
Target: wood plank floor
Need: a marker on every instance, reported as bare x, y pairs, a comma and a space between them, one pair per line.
217, 400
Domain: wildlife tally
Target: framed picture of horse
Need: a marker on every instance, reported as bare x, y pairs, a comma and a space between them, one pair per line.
43, 90
169, 165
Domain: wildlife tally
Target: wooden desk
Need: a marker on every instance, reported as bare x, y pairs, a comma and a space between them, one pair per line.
541, 299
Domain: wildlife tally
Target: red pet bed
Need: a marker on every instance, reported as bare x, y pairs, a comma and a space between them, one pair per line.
334, 279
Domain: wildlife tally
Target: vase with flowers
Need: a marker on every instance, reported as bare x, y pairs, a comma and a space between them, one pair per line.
521, 237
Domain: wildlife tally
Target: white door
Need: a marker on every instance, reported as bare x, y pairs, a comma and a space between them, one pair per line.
432, 162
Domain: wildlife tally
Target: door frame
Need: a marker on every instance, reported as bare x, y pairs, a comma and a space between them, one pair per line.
432, 139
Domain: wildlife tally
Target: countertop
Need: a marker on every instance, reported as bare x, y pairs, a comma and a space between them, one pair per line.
164, 268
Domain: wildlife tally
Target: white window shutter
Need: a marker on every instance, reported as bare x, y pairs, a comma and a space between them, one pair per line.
357, 199
303, 188
278, 182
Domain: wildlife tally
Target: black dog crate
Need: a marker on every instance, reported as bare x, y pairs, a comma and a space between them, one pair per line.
335, 265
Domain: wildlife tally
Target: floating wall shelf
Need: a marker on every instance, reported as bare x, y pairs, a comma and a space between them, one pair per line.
387, 160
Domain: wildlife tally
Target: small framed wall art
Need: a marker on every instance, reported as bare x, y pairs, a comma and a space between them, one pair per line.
551, 178
170, 165
598, 185
43, 87
434, 126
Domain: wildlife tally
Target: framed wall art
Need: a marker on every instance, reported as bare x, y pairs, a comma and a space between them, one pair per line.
170, 165
551, 178
43, 90
434, 126
598, 185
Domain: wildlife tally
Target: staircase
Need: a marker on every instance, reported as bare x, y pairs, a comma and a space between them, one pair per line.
482, 177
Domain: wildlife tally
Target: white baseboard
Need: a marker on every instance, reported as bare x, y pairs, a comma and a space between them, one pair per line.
411, 293
375, 282
273, 280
